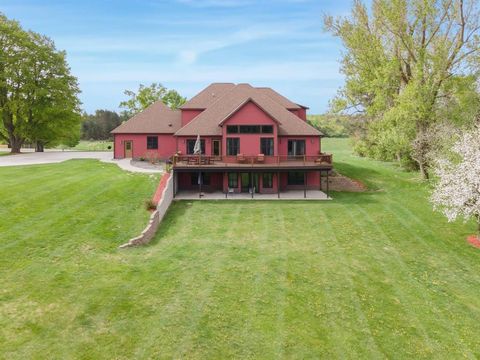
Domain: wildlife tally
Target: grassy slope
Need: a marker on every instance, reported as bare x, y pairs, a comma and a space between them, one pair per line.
364, 276
59, 227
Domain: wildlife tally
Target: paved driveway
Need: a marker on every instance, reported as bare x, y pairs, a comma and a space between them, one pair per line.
48, 157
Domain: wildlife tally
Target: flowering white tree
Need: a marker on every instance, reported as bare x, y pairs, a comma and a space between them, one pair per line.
457, 192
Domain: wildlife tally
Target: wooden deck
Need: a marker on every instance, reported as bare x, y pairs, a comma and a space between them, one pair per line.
252, 163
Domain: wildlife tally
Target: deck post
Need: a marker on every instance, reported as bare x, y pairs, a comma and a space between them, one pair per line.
278, 184
199, 184
304, 184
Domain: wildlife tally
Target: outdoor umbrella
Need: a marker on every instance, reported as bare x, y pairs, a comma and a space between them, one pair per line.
197, 149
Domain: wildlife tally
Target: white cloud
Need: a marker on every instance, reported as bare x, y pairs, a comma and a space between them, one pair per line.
188, 57
141, 72
185, 48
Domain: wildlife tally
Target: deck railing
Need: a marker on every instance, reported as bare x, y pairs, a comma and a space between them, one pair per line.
205, 160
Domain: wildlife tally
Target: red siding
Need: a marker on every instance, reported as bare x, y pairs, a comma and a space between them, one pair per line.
250, 114
188, 115
166, 145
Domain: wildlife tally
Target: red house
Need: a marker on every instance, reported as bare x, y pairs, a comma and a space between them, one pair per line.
252, 140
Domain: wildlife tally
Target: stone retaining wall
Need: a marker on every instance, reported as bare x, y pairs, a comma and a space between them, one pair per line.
339, 182
164, 203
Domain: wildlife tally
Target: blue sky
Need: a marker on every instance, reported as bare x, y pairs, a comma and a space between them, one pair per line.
187, 44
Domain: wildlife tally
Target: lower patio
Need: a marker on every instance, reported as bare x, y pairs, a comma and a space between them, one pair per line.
284, 195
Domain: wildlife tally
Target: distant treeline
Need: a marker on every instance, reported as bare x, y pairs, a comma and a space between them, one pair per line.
333, 125
98, 126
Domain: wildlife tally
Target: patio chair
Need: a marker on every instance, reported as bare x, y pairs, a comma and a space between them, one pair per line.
241, 158
260, 158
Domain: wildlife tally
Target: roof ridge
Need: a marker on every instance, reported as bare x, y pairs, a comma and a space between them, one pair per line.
203, 98
279, 98
209, 106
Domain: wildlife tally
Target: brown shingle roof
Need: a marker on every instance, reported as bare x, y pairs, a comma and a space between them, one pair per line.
279, 98
208, 122
208, 96
155, 119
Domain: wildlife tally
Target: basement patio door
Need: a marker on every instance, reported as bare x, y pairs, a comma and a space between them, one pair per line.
249, 181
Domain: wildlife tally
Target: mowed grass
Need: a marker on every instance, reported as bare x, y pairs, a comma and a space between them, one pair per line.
371, 275
93, 145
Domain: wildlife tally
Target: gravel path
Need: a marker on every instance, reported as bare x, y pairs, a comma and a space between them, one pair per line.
49, 157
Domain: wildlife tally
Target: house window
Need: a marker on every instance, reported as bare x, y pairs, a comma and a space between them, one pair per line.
296, 178
267, 180
191, 146
233, 146
232, 180
266, 146
152, 142
232, 129
249, 129
267, 129
205, 177
296, 147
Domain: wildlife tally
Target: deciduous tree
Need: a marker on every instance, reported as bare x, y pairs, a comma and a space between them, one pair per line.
38, 95
147, 95
457, 192
400, 61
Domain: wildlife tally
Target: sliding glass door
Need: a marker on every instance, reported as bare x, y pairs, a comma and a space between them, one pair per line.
296, 147
245, 179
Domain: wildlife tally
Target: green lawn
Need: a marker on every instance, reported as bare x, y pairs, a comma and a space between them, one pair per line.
371, 275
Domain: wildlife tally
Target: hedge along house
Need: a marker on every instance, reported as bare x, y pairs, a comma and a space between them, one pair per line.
253, 140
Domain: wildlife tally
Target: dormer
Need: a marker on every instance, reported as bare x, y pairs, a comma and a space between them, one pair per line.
301, 112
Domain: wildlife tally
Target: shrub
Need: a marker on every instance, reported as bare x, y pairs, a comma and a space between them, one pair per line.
152, 157
150, 205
